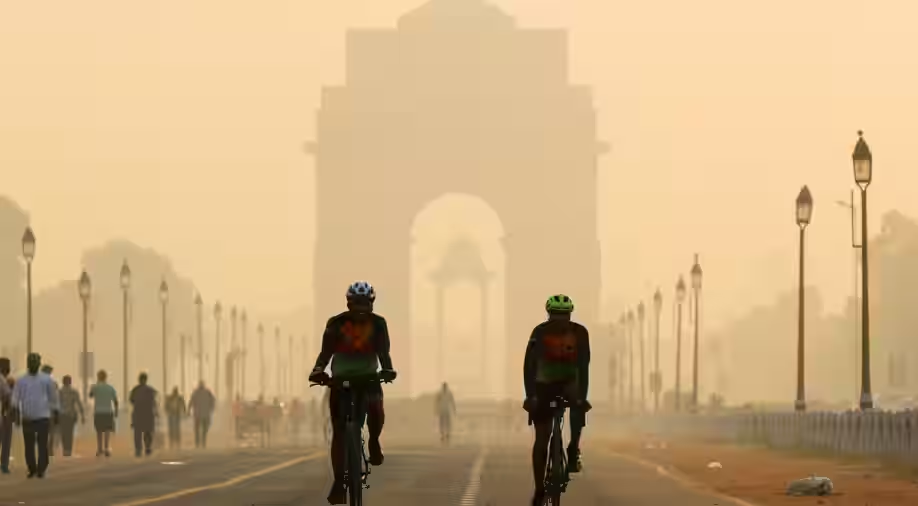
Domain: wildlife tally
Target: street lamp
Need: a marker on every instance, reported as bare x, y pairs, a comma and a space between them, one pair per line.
85, 287
804, 213
640, 314
696, 290
164, 300
857, 324
261, 350
862, 161
630, 360
28, 253
199, 306
277, 350
245, 353
125, 279
680, 298
184, 341
233, 353
622, 338
218, 313
289, 374
657, 382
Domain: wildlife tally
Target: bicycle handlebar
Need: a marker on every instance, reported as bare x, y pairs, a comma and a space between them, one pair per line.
349, 382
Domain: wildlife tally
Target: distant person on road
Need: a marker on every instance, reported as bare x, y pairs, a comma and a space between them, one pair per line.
35, 398
105, 410
70, 408
446, 408
143, 415
175, 411
54, 429
6, 414
202, 406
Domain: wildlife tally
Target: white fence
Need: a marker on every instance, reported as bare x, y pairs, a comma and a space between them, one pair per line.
883, 434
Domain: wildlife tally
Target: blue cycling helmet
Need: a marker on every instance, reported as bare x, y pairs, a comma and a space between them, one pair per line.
361, 290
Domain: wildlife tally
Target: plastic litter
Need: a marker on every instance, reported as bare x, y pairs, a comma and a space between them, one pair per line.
814, 485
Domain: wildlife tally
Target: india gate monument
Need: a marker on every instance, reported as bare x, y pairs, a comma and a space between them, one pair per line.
457, 99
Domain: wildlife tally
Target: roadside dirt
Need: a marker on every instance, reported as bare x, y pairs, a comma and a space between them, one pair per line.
761, 475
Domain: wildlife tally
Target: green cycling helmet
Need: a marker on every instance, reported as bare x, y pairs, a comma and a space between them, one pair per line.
559, 304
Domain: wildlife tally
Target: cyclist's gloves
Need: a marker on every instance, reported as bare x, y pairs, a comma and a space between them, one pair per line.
318, 375
387, 375
530, 404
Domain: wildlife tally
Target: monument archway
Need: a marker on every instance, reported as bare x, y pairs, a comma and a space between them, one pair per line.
457, 98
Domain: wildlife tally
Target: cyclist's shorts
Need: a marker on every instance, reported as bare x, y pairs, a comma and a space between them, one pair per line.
546, 392
372, 393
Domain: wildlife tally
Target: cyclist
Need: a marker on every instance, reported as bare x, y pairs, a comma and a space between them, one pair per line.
358, 340
557, 363
446, 408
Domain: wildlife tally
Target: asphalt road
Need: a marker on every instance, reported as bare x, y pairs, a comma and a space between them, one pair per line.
470, 473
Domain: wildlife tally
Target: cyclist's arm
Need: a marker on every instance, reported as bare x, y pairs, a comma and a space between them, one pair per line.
583, 357
328, 348
382, 345
529, 365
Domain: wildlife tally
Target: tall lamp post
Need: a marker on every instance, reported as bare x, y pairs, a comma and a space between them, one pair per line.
862, 160
630, 360
218, 313
680, 299
125, 289
28, 253
290, 369
184, 341
857, 324
261, 352
245, 353
696, 290
657, 382
277, 350
640, 314
623, 339
804, 213
164, 300
233, 352
199, 308
85, 287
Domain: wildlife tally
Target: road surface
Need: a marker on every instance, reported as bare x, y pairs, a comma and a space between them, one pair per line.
466, 474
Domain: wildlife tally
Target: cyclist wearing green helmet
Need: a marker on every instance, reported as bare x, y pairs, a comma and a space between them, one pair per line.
557, 364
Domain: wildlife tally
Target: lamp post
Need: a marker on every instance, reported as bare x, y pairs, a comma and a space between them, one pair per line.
261, 352
804, 213
233, 352
857, 324
290, 369
640, 314
164, 299
862, 161
623, 337
277, 350
630, 360
184, 339
657, 382
85, 288
125, 288
680, 299
245, 353
199, 307
28, 253
696, 290
218, 313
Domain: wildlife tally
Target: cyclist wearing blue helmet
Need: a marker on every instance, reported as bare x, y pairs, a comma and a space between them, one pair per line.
356, 342
557, 363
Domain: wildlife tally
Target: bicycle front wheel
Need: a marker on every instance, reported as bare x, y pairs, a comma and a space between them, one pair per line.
354, 467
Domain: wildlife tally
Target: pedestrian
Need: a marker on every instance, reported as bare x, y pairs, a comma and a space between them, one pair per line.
202, 407
53, 430
35, 399
175, 410
71, 406
6, 414
105, 411
143, 415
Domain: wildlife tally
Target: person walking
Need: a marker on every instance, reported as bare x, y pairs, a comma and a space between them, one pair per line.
6, 414
202, 406
446, 408
143, 415
105, 411
35, 399
70, 407
53, 430
175, 410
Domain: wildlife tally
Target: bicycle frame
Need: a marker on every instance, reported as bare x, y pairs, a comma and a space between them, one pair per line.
356, 462
557, 476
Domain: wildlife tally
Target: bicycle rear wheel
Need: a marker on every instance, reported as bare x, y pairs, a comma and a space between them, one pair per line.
354, 467
555, 467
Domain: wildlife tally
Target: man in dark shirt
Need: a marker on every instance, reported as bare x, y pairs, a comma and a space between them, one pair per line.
175, 410
143, 415
358, 340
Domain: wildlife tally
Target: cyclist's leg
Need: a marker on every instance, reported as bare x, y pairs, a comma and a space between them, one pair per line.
376, 418
337, 418
541, 420
577, 423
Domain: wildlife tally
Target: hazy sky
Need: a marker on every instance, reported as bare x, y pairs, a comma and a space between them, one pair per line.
179, 124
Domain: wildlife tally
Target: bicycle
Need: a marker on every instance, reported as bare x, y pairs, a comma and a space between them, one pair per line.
557, 476
356, 461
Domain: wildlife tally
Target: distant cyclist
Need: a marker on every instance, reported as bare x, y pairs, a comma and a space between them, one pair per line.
446, 408
358, 341
557, 364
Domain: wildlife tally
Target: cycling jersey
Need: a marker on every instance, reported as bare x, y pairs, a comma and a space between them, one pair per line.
558, 352
356, 344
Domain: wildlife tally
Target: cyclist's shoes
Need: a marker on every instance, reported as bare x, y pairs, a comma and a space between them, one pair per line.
338, 494
574, 460
538, 498
376, 454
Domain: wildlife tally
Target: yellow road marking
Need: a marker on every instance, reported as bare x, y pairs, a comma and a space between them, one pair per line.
682, 480
225, 484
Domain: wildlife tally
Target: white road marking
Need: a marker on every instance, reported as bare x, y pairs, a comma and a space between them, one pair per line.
470, 497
